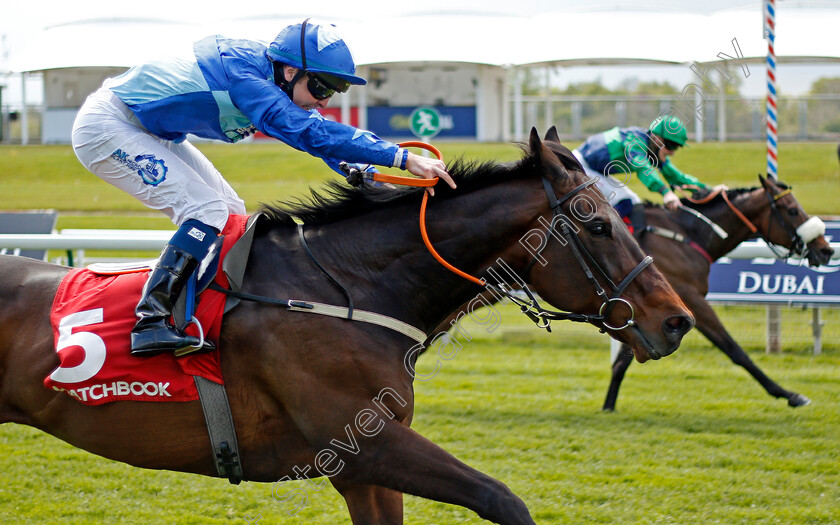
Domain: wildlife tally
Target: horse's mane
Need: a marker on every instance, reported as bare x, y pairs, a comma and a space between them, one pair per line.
336, 200
701, 194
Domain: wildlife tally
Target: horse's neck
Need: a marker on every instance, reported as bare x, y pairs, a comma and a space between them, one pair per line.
381, 259
738, 231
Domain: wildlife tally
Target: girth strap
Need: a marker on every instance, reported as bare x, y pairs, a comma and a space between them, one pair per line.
324, 270
217, 416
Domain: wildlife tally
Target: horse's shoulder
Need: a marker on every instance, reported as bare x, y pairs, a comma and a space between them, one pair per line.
28, 280
13, 267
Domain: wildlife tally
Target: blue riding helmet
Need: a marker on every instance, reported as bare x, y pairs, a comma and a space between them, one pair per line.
324, 51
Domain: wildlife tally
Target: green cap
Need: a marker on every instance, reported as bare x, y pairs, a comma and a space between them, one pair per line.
669, 127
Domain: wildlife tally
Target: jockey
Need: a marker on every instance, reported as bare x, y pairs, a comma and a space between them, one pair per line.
132, 131
608, 155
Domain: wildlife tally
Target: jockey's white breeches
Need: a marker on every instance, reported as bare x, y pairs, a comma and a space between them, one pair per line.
614, 190
172, 177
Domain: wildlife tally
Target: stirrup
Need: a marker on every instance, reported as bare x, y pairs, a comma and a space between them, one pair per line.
200, 346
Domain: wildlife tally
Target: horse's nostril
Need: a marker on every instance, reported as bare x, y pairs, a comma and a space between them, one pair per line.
677, 326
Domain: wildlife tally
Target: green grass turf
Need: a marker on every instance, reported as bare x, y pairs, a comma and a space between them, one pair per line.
39, 177
695, 440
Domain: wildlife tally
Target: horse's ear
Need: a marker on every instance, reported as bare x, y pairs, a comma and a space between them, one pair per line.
534, 142
762, 180
551, 135
543, 154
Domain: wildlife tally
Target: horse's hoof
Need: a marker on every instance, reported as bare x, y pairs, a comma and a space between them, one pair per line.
798, 400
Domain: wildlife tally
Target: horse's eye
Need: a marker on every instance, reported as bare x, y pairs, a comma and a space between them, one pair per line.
793, 212
598, 229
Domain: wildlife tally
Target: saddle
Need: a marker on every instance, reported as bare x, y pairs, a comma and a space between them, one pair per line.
234, 260
93, 314
700, 231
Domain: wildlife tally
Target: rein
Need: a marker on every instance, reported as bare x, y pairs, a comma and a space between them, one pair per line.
796, 241
732, 207
355, 177
531, 308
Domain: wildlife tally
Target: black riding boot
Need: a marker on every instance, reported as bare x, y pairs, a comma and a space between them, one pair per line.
153, 334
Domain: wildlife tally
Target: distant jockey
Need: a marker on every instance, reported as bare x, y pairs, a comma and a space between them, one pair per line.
612, 155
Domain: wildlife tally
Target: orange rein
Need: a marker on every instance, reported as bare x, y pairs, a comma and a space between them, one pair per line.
411, 181
425, 183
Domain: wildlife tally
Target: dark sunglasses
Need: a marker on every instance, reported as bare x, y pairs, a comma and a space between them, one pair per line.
323, 86
671, 145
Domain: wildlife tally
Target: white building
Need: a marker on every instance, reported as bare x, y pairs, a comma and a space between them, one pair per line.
464, 63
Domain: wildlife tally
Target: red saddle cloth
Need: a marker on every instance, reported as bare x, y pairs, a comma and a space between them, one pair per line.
92, 317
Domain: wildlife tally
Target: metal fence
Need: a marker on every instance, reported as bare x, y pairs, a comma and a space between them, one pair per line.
11, 124
813, 117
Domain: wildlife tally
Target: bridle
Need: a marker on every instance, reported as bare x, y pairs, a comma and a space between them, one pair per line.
587, 261
798, 244
530, 306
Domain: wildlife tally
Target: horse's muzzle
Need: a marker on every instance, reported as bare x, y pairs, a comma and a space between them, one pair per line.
820, 256
674, 328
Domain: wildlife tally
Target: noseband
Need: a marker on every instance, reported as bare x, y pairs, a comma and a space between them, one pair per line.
796, 241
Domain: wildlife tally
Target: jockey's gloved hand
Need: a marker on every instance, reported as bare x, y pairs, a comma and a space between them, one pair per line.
351, 173
671, 201
354, 173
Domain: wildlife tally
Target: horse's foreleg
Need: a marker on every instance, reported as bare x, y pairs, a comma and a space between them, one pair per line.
619, 367
404, 461
371, 505
710, 326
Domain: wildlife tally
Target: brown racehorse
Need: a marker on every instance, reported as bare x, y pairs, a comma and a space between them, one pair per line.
775, 213
299, 383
